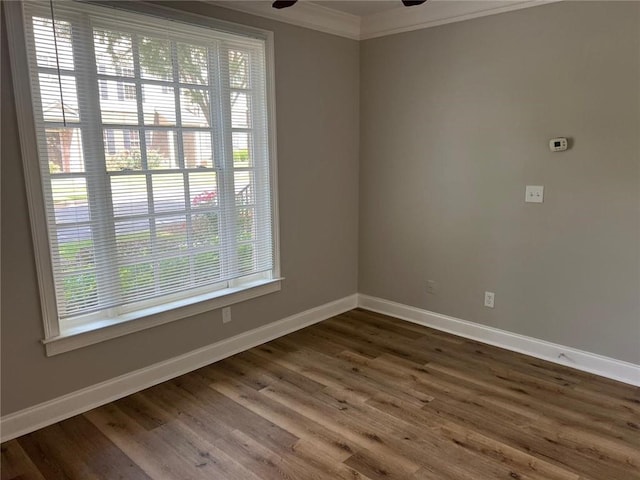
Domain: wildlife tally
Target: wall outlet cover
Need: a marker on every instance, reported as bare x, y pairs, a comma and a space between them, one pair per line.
534, 194
489, 299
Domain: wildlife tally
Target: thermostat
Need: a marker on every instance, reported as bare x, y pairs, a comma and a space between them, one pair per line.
558, 144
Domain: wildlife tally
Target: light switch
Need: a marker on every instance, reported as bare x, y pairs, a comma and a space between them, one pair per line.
534, 194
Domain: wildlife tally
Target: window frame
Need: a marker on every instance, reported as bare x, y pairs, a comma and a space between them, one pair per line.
57, 340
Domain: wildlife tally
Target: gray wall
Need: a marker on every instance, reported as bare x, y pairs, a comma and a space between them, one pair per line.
317, 122
455, 122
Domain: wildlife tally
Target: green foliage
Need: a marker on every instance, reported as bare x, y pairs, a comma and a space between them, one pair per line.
141, 278
132, 160
206, 229
241, 157
206, 266
174, 271
114, 42
155, 60
135, 244
190, 62
76, 255
80, 288
136, 278
155, 57
239, 69
245, 224
245, 258
79, 279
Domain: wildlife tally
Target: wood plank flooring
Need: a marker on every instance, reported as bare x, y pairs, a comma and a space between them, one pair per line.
359, 396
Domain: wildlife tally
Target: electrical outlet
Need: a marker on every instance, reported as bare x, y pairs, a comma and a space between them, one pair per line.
432, 287
226, 314
489, 298
534, 194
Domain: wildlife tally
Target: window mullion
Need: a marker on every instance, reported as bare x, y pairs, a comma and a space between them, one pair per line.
226, 181
260, 153
142, 138
180, 150
98, 187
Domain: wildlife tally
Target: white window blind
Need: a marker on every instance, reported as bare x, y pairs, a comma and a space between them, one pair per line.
154, 158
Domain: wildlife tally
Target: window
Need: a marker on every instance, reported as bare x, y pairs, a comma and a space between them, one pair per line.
102, 84
162, 198
110, 142
131, 139
126, 90
129, 92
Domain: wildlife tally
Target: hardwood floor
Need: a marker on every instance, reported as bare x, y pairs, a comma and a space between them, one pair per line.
359, 396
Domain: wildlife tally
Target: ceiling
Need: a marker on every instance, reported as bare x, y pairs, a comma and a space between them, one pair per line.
359, 7
364, 19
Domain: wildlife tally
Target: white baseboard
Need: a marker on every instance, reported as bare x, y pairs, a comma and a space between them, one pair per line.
552, 352
74, 403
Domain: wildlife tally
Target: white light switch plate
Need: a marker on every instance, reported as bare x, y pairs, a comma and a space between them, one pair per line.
534, 194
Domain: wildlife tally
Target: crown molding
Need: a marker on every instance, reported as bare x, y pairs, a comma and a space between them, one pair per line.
396, 20
439, 12
302, 14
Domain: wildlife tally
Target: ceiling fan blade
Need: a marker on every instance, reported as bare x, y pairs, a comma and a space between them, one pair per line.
289, 3
283, 3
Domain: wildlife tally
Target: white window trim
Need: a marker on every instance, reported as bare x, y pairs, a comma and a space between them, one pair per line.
54, 340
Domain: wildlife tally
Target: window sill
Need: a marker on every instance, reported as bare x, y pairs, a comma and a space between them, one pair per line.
100, 331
